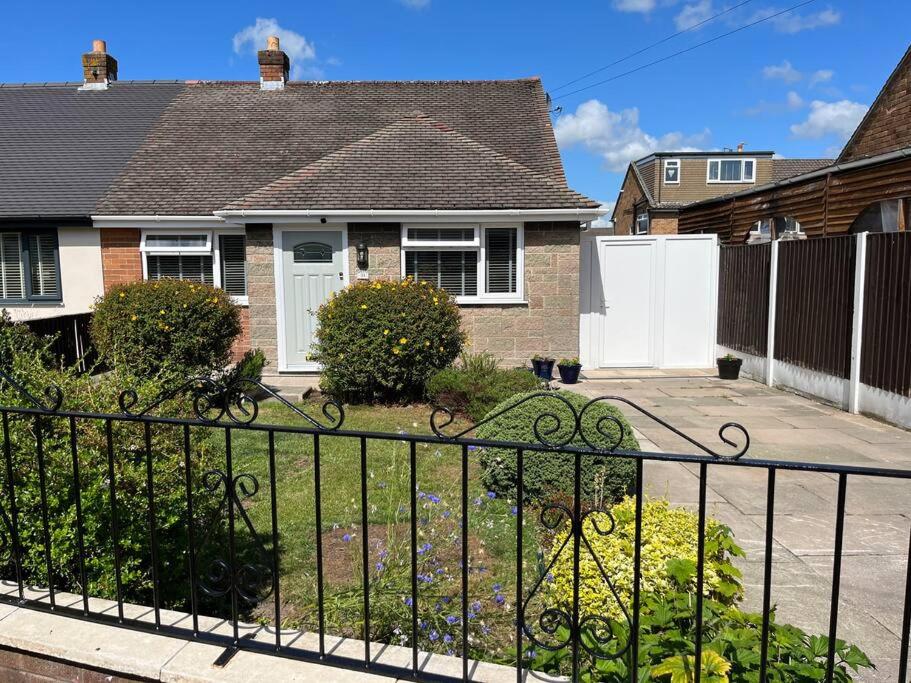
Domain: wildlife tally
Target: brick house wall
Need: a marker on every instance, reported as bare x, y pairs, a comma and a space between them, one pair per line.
547, 324
121, 262
662, 225
631, 194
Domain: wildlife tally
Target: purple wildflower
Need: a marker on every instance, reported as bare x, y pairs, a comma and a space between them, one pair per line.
452, 619
491, 495
434, 636
499, 599
346, 538
447, 638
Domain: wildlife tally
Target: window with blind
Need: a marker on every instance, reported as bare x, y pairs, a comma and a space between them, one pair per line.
477, 264
198, 258
29, 266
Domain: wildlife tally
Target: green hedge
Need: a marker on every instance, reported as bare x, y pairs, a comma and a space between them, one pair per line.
185, 328
549, 475
383, 340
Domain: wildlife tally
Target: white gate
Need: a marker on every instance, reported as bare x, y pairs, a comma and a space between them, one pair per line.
648, 301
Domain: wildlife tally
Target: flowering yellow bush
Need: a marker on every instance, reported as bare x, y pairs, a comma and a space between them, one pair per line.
382, 340
669, 543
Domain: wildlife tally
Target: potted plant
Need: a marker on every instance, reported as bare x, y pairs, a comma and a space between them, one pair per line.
569, 370
543, 367
729, 366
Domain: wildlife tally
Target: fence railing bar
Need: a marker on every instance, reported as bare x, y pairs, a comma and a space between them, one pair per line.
276, 582
232, 540
317, 502
153, 533
413, 468
906, 621
767, 574
80, 527
836, 576
700, 571
637, 576
191, 530
45, 523
464, 563
13, 511
520, 612
365, 552
115, 520
576, 522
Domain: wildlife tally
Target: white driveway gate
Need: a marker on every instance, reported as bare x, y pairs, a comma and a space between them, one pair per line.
648, 301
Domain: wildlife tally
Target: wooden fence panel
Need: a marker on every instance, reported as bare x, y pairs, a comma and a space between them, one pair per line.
743, 298
815, 304
886, 346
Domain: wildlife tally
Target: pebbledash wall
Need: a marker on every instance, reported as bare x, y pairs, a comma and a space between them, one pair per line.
547, 323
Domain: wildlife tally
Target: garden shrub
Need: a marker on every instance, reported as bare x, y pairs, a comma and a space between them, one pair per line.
382, 340
547, 475
186, 328
82, 392
250, 366
18, 338
477, 386
668, 552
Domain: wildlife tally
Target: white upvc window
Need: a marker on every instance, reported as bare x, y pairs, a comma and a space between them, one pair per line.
642, 224
731, 171
476, 263
214, 258
672, 171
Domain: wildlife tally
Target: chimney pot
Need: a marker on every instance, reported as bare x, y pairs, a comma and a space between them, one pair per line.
272, 43
273, 66
741, 146
98, 67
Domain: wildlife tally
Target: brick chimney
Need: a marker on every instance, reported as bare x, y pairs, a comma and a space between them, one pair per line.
98, 67
273, 66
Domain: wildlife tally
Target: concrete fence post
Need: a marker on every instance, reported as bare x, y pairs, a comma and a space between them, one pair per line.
857, 330
773, 300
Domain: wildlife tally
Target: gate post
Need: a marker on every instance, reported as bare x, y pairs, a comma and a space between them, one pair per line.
773, 301
857, 330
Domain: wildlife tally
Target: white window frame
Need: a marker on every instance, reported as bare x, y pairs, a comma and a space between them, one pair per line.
478, 245
674, 162
648, 223
212, 248
743, 180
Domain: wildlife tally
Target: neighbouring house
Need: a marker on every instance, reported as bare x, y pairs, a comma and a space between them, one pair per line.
866, 189
282, 192
657, 187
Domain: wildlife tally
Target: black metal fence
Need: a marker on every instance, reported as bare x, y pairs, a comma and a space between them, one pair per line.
230, 566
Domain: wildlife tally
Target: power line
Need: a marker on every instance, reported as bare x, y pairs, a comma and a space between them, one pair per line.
688, 49
653, 45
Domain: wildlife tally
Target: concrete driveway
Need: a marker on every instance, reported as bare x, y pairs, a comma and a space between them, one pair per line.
785, 426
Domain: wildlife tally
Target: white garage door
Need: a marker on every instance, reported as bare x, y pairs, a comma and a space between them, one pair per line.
648, 301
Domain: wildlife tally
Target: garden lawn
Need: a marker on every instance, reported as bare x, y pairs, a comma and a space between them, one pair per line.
492, 531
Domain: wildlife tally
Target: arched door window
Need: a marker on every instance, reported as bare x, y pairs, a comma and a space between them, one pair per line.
313, 252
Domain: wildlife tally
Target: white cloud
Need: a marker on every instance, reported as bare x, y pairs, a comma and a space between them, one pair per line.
792, 22
643, 6
415, 4
605, 220
784, 71
830, 118
616, 136
694, 13
821, 76
299, 50
794, 100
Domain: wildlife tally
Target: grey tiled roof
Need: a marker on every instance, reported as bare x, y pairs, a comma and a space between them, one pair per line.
414, 163
218, 142
61, 148
787, 168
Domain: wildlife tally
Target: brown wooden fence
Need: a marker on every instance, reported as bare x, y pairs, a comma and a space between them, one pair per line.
815, 304
886, 346
71, 338
743, 298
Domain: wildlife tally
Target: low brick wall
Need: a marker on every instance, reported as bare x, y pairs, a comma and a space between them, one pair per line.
28, 668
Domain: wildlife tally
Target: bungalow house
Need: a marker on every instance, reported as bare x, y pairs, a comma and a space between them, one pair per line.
281, 192
658, 187
866, 189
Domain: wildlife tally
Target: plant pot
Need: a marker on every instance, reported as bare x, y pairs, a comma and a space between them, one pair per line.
569, 374
729, 368
543, 367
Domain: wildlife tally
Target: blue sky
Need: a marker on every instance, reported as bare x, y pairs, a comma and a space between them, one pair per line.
795, 84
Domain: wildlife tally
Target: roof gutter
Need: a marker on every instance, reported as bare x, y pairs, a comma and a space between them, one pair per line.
897, 155
483, 214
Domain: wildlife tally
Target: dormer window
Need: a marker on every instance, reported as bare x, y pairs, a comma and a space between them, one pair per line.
731, 171
672, 171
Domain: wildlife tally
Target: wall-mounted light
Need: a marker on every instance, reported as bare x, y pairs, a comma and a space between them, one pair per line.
363, 256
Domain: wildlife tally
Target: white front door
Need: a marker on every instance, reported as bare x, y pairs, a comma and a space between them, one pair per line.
312, 268
628, 284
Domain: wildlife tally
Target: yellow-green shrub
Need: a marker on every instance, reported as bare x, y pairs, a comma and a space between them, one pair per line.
669, 544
